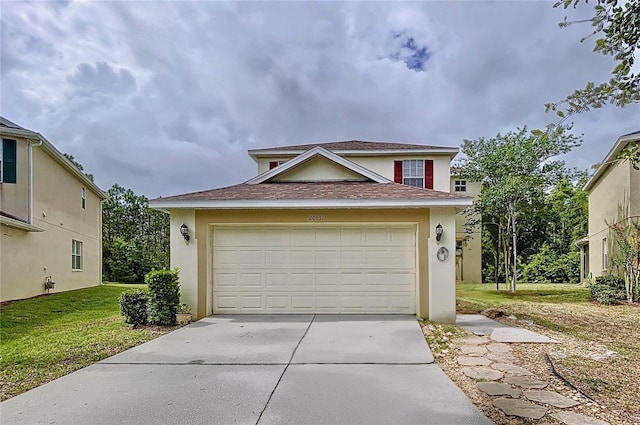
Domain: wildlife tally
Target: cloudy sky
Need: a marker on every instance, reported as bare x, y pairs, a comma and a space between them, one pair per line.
166, 98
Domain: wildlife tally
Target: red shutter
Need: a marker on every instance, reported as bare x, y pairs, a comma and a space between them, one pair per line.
397, 171
273, 164
428, 173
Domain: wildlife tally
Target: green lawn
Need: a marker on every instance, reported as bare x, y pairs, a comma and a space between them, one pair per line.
477, 297
46, 337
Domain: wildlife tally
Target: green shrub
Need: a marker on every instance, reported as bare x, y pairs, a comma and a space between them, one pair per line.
608, 289
133, 306
547, 266
164, 296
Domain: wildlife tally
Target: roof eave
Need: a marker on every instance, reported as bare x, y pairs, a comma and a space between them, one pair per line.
55, 154
620, 144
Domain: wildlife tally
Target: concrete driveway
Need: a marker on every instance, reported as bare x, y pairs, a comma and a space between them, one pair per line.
267, 369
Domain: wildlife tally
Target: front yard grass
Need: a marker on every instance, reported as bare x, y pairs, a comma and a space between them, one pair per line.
46, 337
568, 309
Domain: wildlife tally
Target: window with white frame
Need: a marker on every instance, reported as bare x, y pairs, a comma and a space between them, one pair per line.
605, 254
460, 185
76, 255
413, 172
84, 198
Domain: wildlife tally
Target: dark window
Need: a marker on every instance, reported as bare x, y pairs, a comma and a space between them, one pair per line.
8, 161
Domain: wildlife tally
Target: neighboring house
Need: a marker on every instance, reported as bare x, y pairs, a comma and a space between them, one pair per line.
614, 196
50, 218
344, 227
468, 237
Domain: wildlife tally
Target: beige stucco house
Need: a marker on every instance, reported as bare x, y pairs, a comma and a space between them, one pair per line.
343, 227
468, 237
50, 218
614, 196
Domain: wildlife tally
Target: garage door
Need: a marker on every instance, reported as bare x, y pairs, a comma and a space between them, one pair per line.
321, 269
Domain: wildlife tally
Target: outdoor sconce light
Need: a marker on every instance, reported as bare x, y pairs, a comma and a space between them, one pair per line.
184, 231
439, 232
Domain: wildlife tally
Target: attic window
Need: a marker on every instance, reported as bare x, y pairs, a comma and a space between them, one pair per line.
274, 164
460, 186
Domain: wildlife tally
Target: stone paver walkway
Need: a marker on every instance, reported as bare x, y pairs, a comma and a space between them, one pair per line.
516, 390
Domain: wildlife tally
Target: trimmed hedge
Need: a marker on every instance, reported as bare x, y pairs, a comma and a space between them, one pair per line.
164, 296
133, 306
608, 289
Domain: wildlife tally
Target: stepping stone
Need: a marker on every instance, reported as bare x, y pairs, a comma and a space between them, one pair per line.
473, 361
498, 347
495, 388
502, 357
511, 368
521, 408
525, 382
550, 397
519, 335
572, 418
483, 373
475, 340
473, 350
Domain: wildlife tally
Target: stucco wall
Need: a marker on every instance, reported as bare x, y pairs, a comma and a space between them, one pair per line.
319, 169
384, 165
442, 284
183, 255
14, 197
610, 193
27, 258
469, 265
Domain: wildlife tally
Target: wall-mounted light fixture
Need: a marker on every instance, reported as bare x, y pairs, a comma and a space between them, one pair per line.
184, 231
439, 232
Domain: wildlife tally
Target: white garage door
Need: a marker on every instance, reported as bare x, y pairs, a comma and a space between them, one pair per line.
320, 269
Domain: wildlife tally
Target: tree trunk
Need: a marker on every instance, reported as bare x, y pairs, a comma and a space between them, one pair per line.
512, 213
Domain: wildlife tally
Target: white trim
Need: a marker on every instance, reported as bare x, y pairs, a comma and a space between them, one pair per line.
451, 151
311, 153
309, 203
622, 142
17, 224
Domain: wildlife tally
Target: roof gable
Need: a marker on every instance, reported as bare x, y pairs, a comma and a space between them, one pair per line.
351, 168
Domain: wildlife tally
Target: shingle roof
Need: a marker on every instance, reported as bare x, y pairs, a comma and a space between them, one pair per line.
359, 145
314, 190
9, 124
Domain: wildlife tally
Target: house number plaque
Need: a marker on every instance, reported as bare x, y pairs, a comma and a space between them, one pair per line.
316, 218
443, 254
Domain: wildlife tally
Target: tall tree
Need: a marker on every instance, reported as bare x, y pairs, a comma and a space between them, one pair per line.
515, 169
135, 238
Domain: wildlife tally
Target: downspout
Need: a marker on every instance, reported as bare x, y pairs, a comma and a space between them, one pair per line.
30, 155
